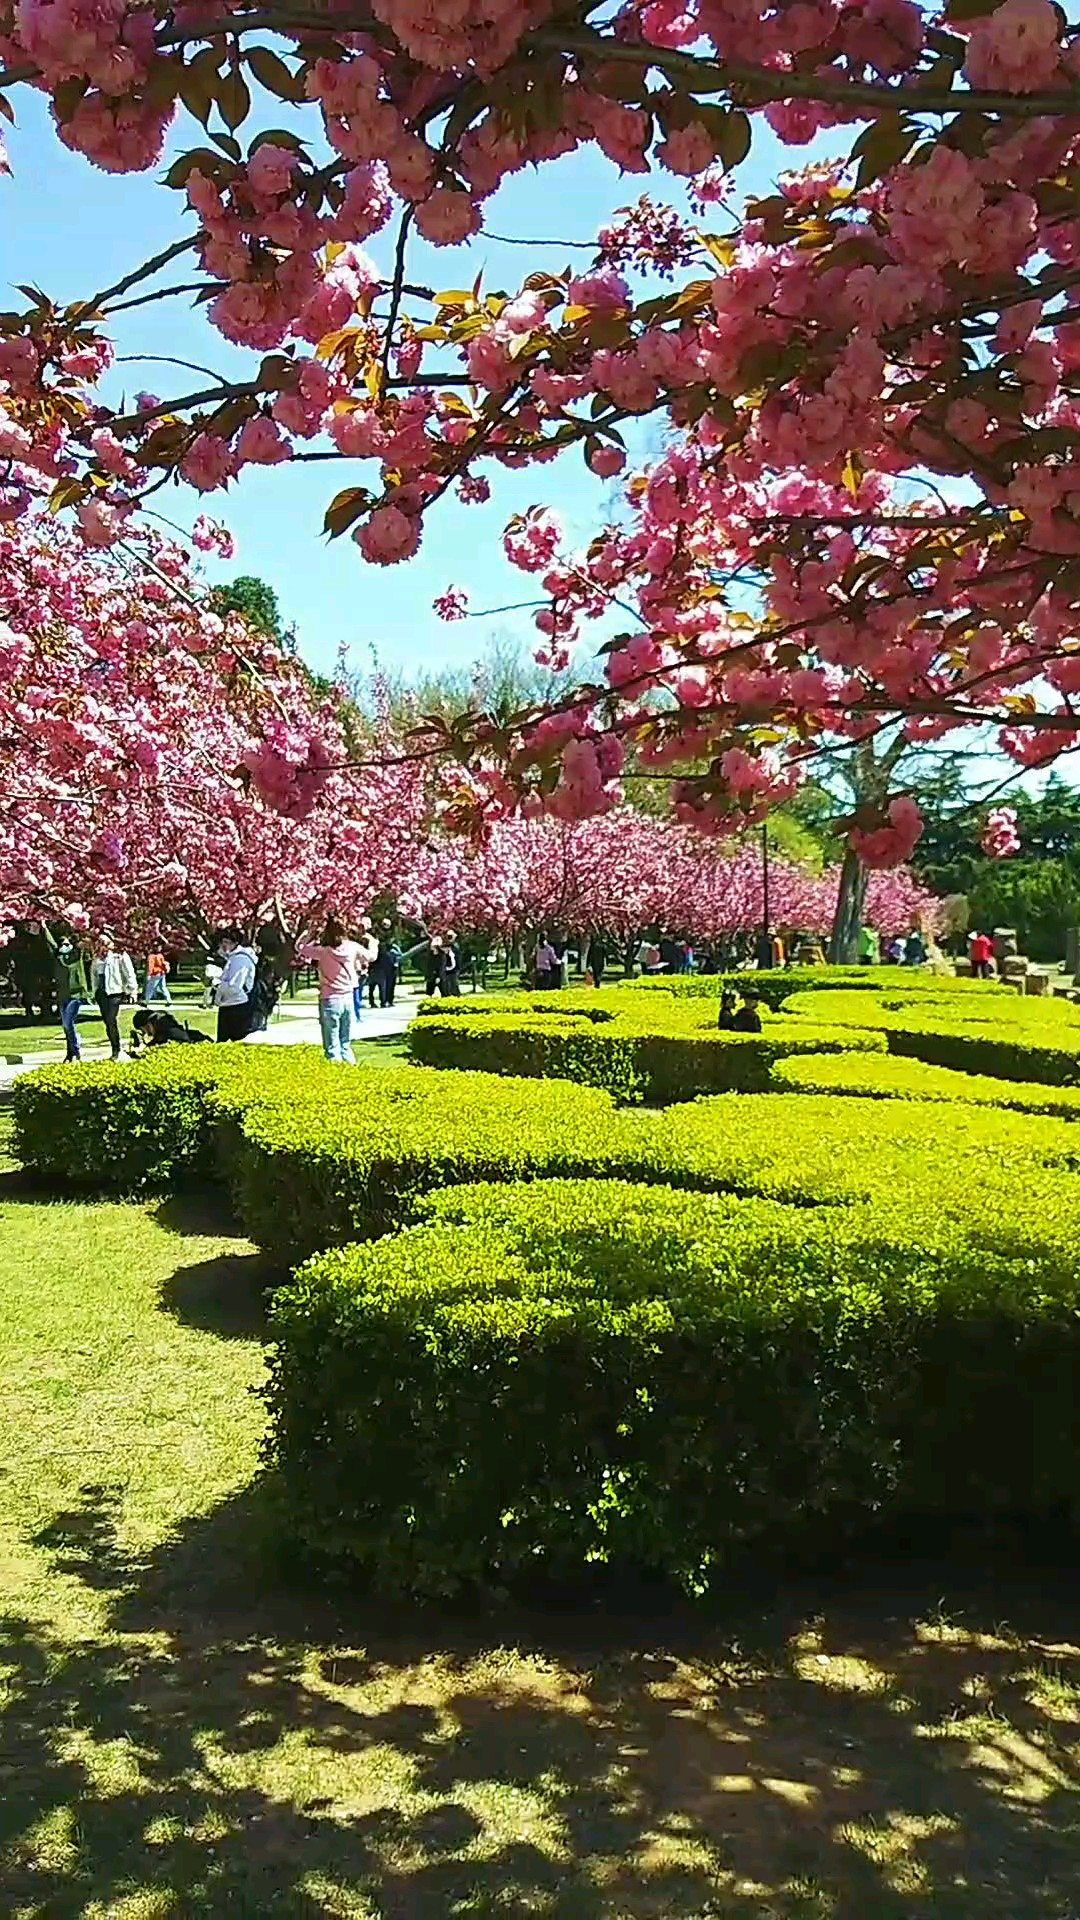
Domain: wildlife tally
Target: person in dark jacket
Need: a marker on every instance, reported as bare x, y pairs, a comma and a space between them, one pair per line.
725, 1019
748, 1019
160, 1030
449, 980
596, 959
386, 965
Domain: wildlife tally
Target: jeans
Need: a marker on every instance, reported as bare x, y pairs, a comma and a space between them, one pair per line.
157, 988
234, 1023
69, 1014
110, 1005
358, 997
335, 1019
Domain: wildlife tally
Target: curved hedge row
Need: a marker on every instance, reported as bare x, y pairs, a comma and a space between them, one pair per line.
594, 1373
651, 1046
623, 1334
893, 1077
1008, 1038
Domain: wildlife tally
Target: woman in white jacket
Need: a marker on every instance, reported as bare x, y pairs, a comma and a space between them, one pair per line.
115, 981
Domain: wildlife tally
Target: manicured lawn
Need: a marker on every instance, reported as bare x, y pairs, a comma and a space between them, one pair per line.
18, 1036
189, 1730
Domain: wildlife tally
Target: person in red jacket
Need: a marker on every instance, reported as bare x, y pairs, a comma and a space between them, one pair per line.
982, 956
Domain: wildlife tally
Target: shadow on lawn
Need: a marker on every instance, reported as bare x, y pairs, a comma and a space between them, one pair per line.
230, 1751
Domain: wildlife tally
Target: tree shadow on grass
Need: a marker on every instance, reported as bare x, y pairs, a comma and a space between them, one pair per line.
231, 1747
226, 1294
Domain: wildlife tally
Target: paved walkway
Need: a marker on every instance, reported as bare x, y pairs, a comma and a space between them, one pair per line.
295, 1024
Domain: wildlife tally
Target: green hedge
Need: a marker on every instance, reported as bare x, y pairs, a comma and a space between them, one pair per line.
1007, 1038
548, 1378
776, 984
892, 1077
148, 1125
650, 1045
306, 1177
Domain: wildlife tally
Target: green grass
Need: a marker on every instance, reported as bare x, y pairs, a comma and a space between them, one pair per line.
185, 1735
21, 1037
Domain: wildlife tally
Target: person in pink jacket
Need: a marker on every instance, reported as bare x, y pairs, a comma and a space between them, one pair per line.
338, 959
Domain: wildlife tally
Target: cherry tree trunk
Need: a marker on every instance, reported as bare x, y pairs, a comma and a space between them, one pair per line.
847, 919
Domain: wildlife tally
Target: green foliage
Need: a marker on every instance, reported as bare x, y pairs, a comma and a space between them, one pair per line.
311, 1175
256, 600
1037, 891
548, 1378
999, 1033
650, 1045
889, 1077
600, 1334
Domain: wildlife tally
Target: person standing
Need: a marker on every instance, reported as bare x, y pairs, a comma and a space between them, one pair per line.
72, 987
384, 970
915, 949
869, 947
449, 975
232, 994
367, 949
114, 982
157, 979
338, 960
596, 959
982, 956
545, 964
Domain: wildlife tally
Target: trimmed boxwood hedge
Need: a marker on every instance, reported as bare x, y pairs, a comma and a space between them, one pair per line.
547, 1378
892, 1077
652, 1046
147, 1125
653, 1336
1008, 1038
306, 1177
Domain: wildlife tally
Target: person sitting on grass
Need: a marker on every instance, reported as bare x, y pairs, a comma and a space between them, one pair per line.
159, 1030
748, 1019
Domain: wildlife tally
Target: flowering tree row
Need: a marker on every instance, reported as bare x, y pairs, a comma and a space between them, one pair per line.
874, 369
626, 872
165, 767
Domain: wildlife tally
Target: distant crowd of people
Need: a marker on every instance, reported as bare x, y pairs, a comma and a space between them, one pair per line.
242, 981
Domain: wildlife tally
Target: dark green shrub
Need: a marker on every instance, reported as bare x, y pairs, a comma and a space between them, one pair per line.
548, 1378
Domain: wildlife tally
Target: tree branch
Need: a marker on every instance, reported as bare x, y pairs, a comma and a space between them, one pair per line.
710, 76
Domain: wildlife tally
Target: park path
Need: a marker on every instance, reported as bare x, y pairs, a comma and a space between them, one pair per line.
292, 1025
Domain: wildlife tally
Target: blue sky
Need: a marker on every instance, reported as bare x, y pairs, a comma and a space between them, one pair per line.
71, 230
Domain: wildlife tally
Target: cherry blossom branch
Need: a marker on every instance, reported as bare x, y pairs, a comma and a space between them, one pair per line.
698, 75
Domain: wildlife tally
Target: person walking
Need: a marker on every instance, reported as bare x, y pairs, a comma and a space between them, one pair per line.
338, 959
232, 993
114, 982
157, 979
72, 986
